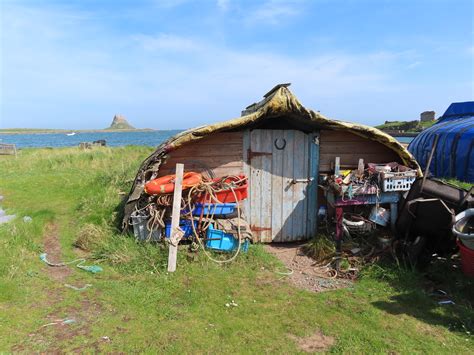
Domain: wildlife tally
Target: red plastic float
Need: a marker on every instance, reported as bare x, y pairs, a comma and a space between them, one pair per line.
165, 184
226, 196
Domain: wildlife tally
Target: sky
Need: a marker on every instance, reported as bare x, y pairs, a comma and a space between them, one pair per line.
174, 64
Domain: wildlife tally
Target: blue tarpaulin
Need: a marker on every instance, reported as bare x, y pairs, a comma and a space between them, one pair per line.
454, 154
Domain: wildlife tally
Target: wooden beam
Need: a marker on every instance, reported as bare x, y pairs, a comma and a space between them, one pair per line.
337, 166
427, 169
360, 167
175, 216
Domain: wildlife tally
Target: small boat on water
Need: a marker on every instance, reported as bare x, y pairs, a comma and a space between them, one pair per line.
71, 134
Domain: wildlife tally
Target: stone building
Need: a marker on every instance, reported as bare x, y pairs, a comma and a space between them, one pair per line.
427, 116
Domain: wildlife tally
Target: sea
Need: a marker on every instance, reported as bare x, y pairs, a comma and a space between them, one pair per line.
113, 139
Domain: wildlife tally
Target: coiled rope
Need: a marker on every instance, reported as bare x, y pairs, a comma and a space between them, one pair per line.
211, 188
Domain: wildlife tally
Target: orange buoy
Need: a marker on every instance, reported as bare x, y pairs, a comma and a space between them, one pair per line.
165, 184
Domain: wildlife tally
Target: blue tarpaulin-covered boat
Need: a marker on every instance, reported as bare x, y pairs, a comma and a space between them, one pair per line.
454, 152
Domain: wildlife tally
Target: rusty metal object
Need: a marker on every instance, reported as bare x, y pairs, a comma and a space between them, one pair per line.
426, 218
251, 154
257, 229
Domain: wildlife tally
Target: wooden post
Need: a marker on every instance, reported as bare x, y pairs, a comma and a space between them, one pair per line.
175, 216
360, 167
427, 169
337, 166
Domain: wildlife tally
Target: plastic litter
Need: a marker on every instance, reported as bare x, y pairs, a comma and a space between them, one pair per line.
380, 216
446, 302
4, 218
78, 288
463, 227
355, 251
438, 293
60, 321
27, 219
91, 268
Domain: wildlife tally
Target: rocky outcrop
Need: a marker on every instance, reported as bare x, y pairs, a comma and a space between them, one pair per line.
120, 122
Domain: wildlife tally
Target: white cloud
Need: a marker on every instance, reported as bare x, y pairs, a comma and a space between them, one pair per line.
223, 4
166, 42
167, 4
414, 65
273, 12
53, 69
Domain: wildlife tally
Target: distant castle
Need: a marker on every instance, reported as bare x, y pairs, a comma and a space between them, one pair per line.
427, 116
120, 122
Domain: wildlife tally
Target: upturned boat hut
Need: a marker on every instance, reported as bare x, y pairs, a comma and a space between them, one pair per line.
282, 147
451, 139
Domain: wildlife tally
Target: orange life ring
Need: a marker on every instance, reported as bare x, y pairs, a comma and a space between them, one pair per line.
165, 184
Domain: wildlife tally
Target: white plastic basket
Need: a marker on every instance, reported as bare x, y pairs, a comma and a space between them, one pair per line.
398, 181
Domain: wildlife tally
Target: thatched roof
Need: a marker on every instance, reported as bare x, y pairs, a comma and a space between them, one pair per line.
279, 104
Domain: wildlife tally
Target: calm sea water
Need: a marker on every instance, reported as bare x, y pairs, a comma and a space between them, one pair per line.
404, 139
114, 139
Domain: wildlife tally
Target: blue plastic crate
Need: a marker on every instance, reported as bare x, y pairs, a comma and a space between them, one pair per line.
184, 224
218, 209
219, 240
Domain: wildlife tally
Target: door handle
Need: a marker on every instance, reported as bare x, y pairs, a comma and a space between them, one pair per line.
303, 181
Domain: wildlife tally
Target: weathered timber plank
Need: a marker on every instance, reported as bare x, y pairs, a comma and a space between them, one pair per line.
266, 187
312, 195
287, 207
217, 151
246, 168
339, 136
277, 188
298, 188
231, 137
175, 215
256, 183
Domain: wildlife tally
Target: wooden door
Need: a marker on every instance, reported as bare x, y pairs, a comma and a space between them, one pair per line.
282, 166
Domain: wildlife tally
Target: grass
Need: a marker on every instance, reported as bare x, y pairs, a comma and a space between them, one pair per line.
407, 126
142, 308
460, 184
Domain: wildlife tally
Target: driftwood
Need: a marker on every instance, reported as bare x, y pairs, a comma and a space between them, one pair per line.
89, 145
7, 149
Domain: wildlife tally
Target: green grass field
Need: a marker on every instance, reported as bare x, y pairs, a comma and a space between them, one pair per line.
398, 124
134, 305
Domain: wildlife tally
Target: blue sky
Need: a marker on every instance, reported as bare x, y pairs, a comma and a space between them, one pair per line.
177, 64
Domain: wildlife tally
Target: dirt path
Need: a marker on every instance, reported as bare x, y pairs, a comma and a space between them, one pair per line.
303, 273
318, 342
61, 326
52, 247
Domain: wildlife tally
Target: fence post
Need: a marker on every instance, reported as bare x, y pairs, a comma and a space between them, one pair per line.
175, 216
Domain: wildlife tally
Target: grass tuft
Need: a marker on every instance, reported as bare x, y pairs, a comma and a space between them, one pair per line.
320, 247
